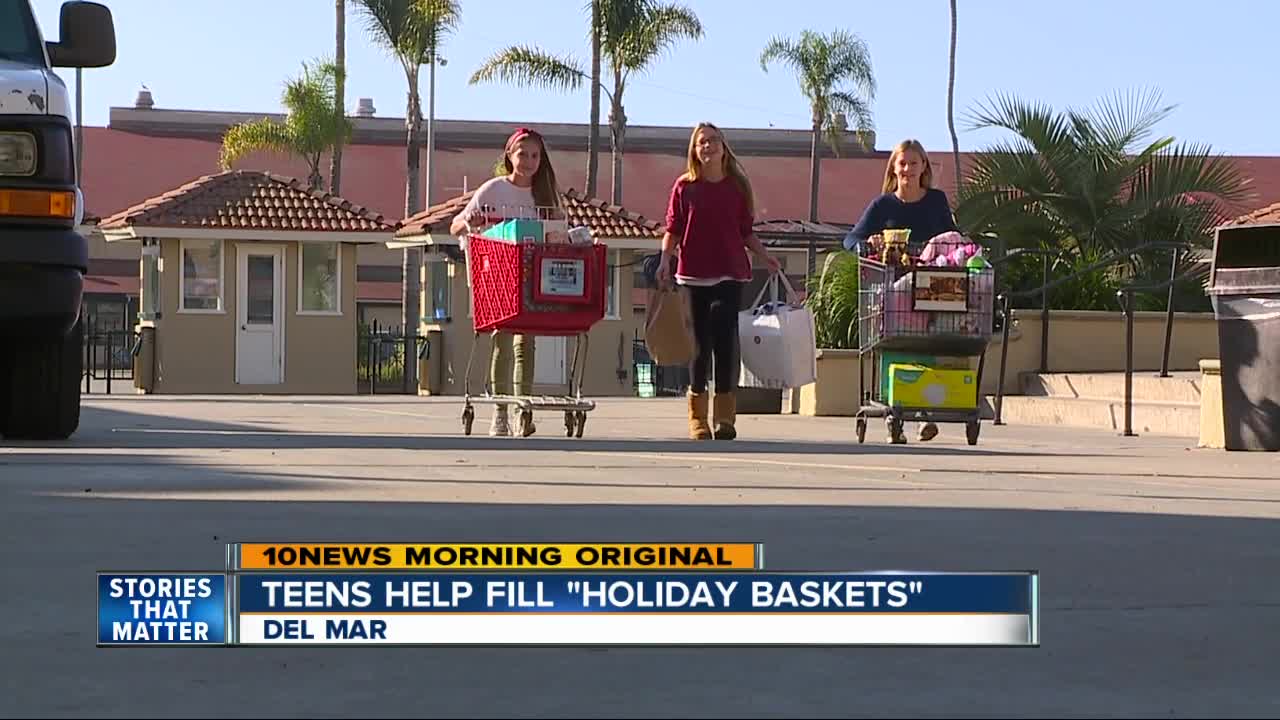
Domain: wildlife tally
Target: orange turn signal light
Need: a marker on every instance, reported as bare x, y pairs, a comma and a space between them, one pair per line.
38, 203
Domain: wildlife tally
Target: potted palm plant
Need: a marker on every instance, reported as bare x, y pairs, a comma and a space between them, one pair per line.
833, 299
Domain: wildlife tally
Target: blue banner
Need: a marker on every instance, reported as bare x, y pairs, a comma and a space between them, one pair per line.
637, 592
162, 609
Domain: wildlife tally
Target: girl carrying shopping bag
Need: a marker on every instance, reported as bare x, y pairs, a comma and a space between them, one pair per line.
708, 233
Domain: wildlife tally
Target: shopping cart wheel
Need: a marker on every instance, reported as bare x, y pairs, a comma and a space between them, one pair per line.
971, 430
468, 417
861, 426
570, 422
582, 423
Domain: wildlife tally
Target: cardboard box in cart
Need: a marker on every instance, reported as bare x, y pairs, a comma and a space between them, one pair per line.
918, 386
889, 358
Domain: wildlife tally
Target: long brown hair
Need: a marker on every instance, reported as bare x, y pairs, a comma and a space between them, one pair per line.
891, 178
546, 192
732, 167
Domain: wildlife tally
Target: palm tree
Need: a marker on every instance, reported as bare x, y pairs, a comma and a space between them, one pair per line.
951, 98
593, 137
633, 34
824, 64
411, 30
1093, 182
340, 95
308, 130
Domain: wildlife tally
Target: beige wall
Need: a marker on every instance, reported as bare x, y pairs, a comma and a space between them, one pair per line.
1094, 341
1079, 341
195, 353
600, 379
379, 254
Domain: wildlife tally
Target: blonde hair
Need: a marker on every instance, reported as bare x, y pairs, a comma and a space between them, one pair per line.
891, 178
732, 167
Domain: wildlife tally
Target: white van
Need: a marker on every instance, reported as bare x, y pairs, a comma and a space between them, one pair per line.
42, 258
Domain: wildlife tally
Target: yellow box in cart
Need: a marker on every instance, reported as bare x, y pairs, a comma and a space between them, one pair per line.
919, 386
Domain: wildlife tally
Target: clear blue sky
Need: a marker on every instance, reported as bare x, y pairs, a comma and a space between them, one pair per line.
1210, 59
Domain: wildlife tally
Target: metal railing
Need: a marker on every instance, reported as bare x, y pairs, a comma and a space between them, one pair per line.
108, 356
1005, 303
1047, 256
1125, 296
380, 358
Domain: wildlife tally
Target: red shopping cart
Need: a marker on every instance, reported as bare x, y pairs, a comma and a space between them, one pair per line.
535, 288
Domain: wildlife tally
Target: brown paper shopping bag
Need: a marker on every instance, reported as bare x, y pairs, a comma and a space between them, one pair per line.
668, 328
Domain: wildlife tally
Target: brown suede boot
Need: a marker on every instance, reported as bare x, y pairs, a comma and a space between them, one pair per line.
698, 427
725, 414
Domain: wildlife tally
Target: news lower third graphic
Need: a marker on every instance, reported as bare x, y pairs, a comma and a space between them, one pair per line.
505, 594
162, 609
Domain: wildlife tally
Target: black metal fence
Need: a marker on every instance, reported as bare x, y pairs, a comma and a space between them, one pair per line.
108, 356
653, 380
380, 358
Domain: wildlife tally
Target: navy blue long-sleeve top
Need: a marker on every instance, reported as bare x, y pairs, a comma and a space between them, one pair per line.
926, 217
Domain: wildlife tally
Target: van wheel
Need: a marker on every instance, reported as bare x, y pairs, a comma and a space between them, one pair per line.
41, 396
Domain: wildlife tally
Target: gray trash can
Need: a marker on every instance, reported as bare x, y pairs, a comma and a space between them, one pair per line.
1245, 288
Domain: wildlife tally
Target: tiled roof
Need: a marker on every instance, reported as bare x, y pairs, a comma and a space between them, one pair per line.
791, 227
608, 222
1269, 215
249, 200
435, 219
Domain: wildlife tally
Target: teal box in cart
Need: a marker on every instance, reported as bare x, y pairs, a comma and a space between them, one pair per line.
516, 230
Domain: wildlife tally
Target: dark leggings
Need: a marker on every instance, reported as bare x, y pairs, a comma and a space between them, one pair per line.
715, 323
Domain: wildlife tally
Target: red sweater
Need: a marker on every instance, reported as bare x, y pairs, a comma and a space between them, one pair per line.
710, 222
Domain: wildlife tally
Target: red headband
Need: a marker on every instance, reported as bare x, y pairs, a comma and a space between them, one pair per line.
520, 134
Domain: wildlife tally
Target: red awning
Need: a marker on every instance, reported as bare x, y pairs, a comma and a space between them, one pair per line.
111, 284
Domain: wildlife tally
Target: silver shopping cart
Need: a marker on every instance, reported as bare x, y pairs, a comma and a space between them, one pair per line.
934, 321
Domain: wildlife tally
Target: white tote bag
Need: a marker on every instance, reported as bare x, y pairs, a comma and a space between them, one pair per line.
778, 341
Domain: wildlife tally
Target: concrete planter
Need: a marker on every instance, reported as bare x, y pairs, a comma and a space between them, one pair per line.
836, 391
1212, 424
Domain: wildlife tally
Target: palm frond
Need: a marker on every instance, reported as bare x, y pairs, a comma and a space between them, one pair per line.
857, 115
850, 61
655, 30
531, 67
411, 30
781, 50
1129, 117
823, 64
254, 136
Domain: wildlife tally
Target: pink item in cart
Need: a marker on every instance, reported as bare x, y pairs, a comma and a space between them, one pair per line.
942, 245
900, 319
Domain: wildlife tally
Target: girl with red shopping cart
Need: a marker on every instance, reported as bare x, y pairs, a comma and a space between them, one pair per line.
526, 189
708, 233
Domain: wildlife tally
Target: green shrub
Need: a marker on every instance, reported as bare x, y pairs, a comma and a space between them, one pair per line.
833, 299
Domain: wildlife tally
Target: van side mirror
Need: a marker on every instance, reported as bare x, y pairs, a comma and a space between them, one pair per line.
86, 36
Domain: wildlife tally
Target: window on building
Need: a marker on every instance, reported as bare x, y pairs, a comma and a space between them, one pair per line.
320, 281
613, 276
150, 307
202, 276
441, 291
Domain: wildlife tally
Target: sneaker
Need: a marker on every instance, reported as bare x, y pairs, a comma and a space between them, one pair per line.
501, 426
529, 429
928, 431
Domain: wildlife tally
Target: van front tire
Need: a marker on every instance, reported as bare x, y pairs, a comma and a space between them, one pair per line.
40, 398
